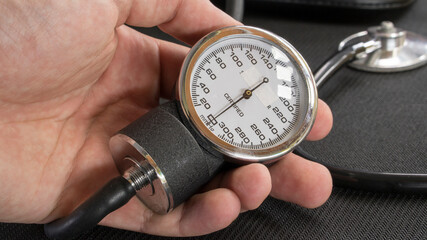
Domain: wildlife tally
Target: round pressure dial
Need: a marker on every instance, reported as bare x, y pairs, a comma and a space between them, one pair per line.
248, 93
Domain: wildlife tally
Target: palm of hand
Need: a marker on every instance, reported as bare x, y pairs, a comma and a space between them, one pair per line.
82, 89
69, 87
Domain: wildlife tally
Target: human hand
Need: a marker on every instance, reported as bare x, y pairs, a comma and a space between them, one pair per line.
72, 75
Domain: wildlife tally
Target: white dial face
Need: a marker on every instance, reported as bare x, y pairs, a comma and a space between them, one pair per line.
248, 93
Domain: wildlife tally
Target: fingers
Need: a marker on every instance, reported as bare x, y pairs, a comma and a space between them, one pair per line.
171, 56
323, 123
251, 183
176, 16
207, 212
297, 180
292, 179
240, 189
202, 214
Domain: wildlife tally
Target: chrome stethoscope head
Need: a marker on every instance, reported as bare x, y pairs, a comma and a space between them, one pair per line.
383, 48
396, 49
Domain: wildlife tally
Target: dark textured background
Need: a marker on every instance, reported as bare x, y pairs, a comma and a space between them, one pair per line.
379, 125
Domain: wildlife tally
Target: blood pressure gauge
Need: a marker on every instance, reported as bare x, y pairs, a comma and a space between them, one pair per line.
249, 93
246, 95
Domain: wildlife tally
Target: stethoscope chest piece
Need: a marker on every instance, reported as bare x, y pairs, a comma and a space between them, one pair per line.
395, 49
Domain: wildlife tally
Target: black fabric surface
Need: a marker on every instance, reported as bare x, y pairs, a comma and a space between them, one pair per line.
379, 125
363, 4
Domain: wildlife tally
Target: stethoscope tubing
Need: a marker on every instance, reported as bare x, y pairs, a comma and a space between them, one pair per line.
411, 183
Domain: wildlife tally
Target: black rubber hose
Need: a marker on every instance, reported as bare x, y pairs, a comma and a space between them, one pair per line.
411, 183
112, 196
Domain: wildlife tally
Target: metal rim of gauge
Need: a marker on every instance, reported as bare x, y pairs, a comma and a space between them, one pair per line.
239, 155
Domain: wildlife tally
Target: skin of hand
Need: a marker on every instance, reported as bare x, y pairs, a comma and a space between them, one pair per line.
72, 74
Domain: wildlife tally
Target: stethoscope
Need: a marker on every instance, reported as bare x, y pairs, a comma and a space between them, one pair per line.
382, 49
246, 95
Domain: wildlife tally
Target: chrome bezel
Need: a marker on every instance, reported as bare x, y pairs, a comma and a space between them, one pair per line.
238, 154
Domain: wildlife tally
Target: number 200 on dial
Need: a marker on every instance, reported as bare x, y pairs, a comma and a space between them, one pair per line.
249, 93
